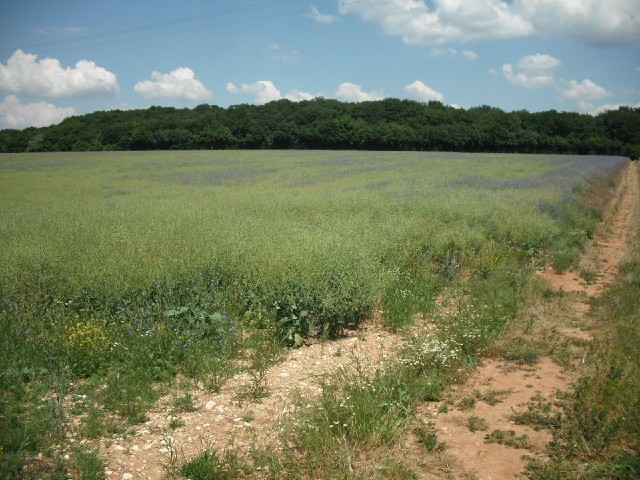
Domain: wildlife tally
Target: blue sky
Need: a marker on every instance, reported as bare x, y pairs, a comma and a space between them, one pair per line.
66, 57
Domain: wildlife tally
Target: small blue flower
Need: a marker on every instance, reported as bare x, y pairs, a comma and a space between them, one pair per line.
27, 332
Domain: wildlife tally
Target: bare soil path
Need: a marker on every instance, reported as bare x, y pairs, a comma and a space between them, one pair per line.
498, 387
517, 386
222, 419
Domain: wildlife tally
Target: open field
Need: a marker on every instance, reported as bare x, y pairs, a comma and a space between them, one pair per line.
123, 272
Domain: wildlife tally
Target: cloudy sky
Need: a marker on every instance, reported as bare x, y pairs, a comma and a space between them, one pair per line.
66, 57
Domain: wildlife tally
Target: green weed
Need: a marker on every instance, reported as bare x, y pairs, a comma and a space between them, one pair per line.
509, 439
89, 465
476, 424
211, 465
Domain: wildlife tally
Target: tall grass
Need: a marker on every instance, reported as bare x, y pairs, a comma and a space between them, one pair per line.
121, 270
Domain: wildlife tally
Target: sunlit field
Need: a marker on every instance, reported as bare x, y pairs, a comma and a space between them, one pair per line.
127, 269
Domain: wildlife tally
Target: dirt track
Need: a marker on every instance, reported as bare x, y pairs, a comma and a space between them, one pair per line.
563, 322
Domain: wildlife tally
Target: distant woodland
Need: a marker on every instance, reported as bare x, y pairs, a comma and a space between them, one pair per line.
389, 124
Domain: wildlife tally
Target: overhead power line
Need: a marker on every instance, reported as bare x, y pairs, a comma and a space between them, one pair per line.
175, 22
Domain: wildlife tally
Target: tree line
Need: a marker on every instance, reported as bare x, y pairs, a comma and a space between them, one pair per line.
389, 124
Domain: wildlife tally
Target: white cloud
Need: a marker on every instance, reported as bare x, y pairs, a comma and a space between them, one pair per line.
264, 91
277, 53
451, 52
299, 95
526, 79
608, 106
352, 92
14, 114
538, 62
321, 17
594, 22
419, 91
449, 20
532, 71
179, 83
585, 90
47, 78
469, 54
438, 22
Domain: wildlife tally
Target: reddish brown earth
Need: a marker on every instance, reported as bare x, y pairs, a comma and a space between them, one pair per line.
220, 419
522, 384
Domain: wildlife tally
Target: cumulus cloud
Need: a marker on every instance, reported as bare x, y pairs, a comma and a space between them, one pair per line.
538, 62
526, 79
594, 22
449, 21
180, 83
264, 91
14, 114
24, 73
585, 90
419, 91
608, 106
532, 71
299, 95
352, 92
321, 17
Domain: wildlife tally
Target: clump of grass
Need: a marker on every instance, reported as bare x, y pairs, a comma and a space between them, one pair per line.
93, 425
89, 465
476, 424
256, 389
175, 423
493, 397
212, 465
540, 414
466, 404
427, 438
509, 439
521, 351
184, 403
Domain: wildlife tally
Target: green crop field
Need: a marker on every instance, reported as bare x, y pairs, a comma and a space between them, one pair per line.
126, 269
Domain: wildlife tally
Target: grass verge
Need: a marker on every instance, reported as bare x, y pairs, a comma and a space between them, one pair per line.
598, 437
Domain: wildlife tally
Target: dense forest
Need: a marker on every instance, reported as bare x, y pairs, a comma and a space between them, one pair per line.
389, 124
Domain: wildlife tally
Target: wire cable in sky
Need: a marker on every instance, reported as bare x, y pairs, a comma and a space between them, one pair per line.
175, 22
